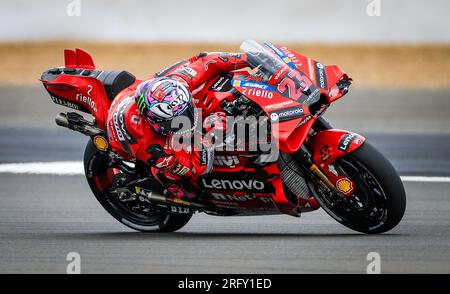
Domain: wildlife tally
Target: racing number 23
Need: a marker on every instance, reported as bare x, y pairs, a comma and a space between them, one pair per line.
293, 87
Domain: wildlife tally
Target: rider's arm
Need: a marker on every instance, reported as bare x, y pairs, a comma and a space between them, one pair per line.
204, 66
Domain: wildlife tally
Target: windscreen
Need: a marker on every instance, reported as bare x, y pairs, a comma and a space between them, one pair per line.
266, 59
261, 57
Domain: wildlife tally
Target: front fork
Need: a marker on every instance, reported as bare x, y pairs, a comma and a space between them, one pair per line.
304, 157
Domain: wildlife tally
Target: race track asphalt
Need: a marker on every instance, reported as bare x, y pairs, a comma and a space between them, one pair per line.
44, 217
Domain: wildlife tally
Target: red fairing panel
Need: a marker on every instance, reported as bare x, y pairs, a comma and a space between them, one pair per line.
310, 67
70, 58
85, 93
78, 59
226, 163
329, 145
289, 133
324, 77
79, 92
334, 75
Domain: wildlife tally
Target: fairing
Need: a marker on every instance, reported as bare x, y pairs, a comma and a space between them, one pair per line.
77, 86
328, 146
297, 90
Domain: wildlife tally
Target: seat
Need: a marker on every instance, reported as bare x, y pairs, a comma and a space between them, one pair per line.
115, 81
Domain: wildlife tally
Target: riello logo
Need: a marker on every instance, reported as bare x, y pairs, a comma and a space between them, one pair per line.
257, 92
87, 99
291, 55
233, 184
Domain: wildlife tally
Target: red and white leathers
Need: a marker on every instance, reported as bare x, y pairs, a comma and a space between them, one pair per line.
132, 136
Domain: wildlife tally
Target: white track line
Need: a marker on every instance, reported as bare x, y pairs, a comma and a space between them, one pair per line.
424, 179
47, 168
76, 168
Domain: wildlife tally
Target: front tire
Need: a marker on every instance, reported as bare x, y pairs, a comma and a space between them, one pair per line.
156, 220
379, 201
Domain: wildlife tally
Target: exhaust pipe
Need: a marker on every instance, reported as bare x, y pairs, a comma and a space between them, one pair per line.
61, 120
76, 122
163, 199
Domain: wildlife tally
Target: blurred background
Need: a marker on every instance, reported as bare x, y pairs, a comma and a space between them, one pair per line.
396, 51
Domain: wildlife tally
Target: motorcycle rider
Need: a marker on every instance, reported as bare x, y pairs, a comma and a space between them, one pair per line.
140, 119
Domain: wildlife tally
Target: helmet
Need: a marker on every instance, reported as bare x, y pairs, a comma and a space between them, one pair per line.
163, 99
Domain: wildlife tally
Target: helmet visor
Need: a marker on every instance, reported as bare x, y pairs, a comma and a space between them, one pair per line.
182, 124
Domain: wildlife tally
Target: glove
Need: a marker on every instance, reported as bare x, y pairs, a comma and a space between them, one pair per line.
215, 122
215, 127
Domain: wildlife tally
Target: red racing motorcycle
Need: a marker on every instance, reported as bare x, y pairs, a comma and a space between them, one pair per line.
315, 166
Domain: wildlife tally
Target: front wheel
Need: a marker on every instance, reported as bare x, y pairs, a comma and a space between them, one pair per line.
378, 202
135, 214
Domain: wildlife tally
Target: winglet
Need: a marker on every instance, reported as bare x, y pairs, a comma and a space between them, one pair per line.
84, 59
70, 58
78, 59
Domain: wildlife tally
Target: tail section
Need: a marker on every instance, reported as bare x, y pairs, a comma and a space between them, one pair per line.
79, 85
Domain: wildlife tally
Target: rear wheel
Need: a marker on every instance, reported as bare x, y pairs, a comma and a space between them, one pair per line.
135, 214
378, 202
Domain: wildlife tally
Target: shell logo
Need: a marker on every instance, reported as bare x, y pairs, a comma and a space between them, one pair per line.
101, 143
344, 185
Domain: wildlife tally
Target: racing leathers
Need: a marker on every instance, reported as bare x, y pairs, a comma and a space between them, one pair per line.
131, 135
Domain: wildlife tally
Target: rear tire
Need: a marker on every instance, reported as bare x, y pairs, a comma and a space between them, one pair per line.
387, 198
96, 164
